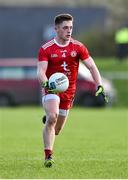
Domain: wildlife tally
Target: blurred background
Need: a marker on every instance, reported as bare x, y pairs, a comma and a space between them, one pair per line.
101, 25
93, 144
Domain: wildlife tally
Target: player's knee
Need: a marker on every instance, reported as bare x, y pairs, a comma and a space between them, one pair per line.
52, 119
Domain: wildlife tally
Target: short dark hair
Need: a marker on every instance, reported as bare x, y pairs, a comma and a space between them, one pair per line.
62, 17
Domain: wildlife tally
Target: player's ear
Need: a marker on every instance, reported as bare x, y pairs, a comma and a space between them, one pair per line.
56, 27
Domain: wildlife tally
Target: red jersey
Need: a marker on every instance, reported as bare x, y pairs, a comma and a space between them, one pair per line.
64, 59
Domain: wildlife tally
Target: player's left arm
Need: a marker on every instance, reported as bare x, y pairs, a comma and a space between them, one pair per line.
90, 64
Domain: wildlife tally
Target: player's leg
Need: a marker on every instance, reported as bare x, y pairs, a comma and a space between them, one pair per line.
64, 107
51, 106
62, 117
60, 121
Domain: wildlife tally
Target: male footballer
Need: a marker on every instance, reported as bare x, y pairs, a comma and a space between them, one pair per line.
61, 54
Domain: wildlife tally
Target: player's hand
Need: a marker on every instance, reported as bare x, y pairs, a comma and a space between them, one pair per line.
50, 89
100, 91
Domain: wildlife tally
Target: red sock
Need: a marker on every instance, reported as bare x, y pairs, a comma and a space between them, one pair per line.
48, 153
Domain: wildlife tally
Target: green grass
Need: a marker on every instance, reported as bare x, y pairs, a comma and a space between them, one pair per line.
111, 64
122, 92
93, 144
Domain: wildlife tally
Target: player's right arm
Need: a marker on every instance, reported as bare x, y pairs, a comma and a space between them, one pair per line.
42, 66
41, 71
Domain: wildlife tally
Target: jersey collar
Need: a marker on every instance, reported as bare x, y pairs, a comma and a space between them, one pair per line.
60, 45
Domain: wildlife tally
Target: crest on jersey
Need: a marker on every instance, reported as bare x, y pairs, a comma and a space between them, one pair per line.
73, 53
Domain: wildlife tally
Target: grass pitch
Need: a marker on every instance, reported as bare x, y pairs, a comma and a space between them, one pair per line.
93, 144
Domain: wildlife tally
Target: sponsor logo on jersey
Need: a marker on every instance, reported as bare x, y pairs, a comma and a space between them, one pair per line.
64, 65
54, 55
73, 53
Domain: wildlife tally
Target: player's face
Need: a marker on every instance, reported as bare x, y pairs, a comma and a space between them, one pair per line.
64, 30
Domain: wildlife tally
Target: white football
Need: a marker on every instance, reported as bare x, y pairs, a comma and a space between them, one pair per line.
58, 82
